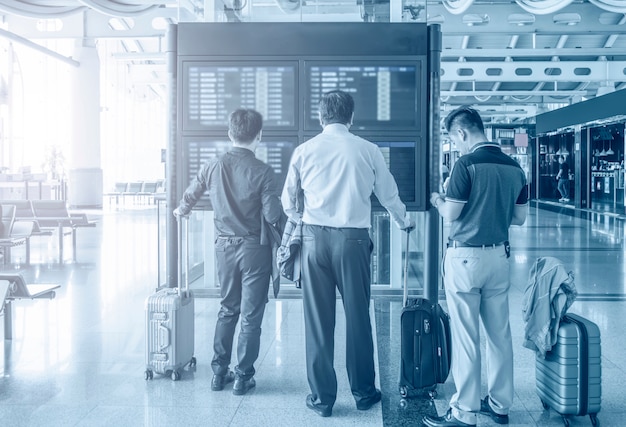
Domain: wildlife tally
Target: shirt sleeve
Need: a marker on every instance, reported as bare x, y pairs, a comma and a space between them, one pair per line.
271, 206
290, 189
460, 184
386, 190
195, 190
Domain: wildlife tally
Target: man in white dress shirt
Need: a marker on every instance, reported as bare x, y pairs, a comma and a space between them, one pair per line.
338, 172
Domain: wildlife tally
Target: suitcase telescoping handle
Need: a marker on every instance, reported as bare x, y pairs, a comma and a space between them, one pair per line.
183, 257
405, 295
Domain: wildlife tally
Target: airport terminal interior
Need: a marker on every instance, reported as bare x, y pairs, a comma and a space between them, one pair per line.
108, 110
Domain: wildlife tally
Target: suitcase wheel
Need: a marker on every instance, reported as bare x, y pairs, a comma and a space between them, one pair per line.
544, 404
404, 391
565, 421
148, 374
192, 363
432, 394
594, 420
175, 375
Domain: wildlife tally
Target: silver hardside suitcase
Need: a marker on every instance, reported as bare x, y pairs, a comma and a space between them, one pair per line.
170, 325
569, 379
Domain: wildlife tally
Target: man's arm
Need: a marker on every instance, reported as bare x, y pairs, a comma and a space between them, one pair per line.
271, 206
193, 193
448, 209
519, 214
290, 191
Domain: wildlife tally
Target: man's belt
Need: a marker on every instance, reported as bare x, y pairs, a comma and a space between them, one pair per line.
457, 244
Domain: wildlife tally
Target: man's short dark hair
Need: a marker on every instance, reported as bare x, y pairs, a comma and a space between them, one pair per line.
465, 117
336, 107
244, 124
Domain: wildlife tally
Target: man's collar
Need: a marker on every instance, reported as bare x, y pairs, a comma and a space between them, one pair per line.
335, 127
482, 145
240, 149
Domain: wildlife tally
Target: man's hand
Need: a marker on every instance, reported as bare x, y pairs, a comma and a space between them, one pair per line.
410, 227
179, 214
436, 199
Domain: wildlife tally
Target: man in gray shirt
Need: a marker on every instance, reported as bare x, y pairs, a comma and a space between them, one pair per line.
338, 172
242, 190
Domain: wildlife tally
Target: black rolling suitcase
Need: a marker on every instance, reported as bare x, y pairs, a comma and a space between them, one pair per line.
569, 378
425, 342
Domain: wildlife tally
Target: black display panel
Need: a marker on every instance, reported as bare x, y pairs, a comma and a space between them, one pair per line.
276, 152
401, 160
386, 95
211, 91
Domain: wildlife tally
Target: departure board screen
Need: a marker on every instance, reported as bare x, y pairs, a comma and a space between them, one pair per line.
400, 157
385, 96
211, 92
276, 153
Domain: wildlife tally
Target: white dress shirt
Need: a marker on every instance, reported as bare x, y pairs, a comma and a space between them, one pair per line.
338, 172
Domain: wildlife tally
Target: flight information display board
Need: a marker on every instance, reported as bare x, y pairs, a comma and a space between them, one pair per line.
212, 91
400, 157
275, 153
385, 95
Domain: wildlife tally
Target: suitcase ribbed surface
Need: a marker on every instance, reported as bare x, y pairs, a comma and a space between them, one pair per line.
569, 379
169, 330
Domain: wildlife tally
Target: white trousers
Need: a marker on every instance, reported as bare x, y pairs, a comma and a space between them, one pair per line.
477, 286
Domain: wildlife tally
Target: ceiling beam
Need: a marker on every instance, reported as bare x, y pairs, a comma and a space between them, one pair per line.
534, 71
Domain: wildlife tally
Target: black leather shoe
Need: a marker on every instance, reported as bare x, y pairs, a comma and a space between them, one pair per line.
318, 408
368, 402
219, 381
446, 421
485, 409
242, 386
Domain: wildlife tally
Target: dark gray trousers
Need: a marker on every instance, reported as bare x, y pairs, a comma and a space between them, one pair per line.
243, 269
337, 257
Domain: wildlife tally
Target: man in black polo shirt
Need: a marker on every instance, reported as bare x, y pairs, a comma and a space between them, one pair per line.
243, 190
487, 193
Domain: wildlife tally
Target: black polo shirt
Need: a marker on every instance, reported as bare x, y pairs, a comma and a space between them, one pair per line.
490, 184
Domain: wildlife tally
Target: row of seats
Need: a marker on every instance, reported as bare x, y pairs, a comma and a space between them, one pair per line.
136, 191
22, 219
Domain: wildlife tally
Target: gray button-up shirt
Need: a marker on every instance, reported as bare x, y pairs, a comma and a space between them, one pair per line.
241, 188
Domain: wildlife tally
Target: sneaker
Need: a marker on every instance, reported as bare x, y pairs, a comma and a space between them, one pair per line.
565, 199
485, 409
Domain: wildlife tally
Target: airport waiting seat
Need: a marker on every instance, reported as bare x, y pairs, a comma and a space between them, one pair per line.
118, 190
148, 190
17, 289
132, 190
10, 234
53, 214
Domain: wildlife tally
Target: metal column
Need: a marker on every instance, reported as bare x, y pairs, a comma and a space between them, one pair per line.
433, 221
172, 198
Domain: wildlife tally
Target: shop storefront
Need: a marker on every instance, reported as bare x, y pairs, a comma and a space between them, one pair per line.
589, 138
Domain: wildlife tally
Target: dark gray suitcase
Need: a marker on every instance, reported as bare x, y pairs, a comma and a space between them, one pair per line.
569, 379
170, 324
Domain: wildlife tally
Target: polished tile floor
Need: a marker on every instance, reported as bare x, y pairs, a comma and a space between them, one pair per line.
78, 360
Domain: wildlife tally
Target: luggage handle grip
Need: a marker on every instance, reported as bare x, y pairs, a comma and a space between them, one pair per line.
183, 256
405, 295
164, 337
